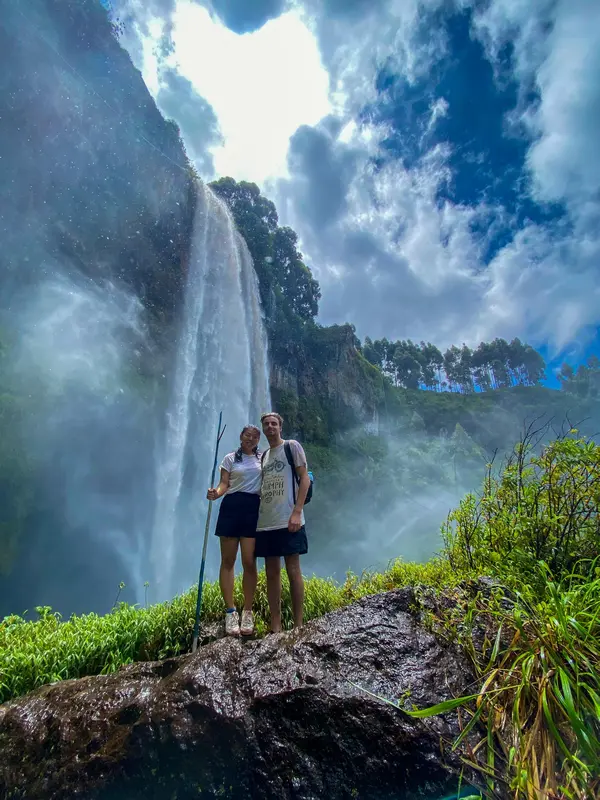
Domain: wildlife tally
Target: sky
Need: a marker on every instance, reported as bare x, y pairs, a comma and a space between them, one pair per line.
439, 160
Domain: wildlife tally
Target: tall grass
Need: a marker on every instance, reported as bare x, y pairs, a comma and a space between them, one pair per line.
48, 649
537, 708
534, 641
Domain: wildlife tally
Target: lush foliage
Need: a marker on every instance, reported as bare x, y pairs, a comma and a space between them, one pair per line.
531, 729
544, 506
584, 381
36, 652
492, 365
533, 639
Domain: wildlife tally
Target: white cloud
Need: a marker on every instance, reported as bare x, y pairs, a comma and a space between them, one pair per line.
262, 86
566, 159
557, 52
395, 261
358, 38
545, 287
389, 255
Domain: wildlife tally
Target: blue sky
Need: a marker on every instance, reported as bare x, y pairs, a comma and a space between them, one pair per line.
439, 160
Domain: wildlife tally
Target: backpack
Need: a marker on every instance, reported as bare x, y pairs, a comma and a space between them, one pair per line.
296, 480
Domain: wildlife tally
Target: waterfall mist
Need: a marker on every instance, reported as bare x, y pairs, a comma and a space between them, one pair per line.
122, 463
387, 497
129, 317
77, 345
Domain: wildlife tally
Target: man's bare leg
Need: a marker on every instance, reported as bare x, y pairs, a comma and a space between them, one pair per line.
292, 566
273, 570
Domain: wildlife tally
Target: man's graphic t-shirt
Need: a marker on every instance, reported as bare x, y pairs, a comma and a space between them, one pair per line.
277, 491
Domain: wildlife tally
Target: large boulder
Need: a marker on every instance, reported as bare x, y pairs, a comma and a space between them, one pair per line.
282, 717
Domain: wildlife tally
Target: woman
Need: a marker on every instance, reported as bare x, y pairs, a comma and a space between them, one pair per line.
236, 525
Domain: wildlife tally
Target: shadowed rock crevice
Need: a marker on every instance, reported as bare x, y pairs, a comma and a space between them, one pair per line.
282, 717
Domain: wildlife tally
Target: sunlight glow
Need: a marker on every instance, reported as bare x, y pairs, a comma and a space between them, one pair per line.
262, 86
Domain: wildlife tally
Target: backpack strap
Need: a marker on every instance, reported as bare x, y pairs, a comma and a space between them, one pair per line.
290, 460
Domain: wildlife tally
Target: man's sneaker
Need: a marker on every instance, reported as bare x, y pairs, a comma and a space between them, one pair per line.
232, 623
247, 626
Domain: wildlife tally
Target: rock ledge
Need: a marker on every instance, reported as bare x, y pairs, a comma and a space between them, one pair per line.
275, 718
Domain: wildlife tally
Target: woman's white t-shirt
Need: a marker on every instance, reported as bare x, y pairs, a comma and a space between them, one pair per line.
244, 475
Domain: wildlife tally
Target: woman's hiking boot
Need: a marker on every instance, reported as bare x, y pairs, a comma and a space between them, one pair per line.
247, 626
232, 623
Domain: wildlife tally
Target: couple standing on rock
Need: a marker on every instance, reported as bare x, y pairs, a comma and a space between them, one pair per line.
262, 513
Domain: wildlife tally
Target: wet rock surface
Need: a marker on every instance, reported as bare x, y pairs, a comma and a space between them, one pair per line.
282, 717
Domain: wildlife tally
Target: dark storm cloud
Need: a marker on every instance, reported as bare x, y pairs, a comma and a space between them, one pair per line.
323, 172
178, 100
331, 195
245, 16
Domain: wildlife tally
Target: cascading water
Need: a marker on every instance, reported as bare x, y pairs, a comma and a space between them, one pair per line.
221, 364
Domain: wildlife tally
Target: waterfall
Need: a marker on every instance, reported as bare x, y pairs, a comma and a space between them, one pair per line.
221, 364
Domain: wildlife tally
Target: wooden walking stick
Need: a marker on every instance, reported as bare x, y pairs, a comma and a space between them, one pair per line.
210, 502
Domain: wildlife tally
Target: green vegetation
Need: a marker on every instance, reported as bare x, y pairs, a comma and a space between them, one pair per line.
536, 710
533, 636
531, 727
36, 652
542, 508
584, 381
493, 365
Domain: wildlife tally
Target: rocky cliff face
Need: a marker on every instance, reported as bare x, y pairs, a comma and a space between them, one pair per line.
322, 384
91, 177
272, 719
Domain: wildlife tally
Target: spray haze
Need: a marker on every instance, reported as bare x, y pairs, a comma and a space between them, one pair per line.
77, 350
129, 317
387, 494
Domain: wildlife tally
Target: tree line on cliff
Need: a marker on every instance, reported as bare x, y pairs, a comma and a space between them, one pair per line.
290, 297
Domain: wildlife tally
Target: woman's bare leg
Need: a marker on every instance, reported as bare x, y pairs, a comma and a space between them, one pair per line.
229, 548
250, 576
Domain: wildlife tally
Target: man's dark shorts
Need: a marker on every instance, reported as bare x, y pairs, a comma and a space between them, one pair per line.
281, 542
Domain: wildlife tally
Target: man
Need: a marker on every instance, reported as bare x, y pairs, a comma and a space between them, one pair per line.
280, 530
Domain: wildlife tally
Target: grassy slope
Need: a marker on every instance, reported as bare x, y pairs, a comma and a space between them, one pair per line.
36, 652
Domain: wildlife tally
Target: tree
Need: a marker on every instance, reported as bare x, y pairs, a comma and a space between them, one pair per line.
481, 362
534, 366
370, 352
451, 366
583, 382
433, 363
295, 279
288, 291
463, 369
408, 362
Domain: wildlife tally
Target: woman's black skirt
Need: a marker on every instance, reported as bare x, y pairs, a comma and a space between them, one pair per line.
238, 515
